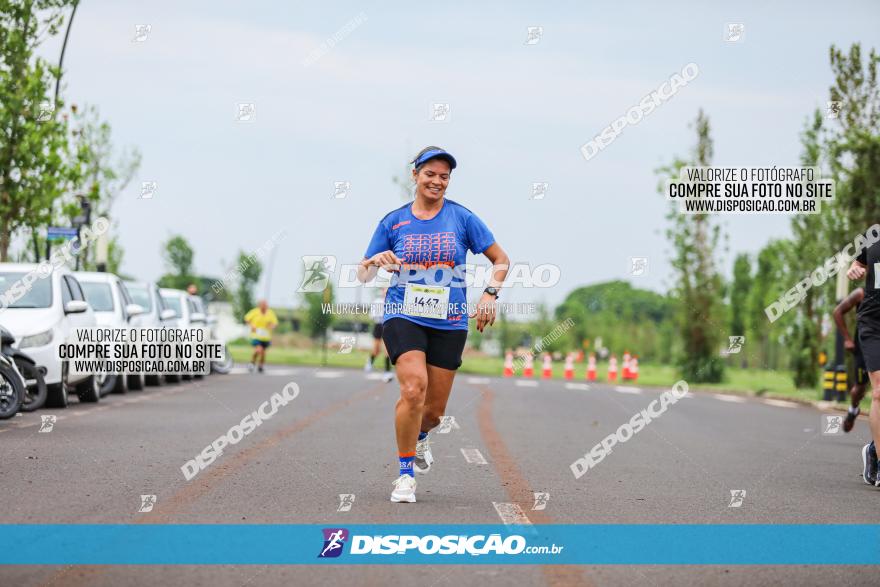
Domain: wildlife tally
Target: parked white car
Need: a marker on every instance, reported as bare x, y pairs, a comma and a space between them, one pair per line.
156, 315
113, 308
41, 319
189, 309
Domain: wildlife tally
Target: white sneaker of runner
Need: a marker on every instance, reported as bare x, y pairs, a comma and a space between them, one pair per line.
404, 490
368, 366
424, 458
387, 377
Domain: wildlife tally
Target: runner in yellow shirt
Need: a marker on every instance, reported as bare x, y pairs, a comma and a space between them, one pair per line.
262, 321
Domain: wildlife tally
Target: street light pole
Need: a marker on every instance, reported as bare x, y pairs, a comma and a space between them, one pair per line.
63, 49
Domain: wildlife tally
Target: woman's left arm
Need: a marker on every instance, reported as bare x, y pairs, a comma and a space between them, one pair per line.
485, 313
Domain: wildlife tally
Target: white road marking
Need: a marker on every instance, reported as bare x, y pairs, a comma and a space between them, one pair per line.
736, 399
511, 513
373, 376
576, 386
526, 383
627, 389
780, 403
478, 380
239, 371
328, 374
473, 456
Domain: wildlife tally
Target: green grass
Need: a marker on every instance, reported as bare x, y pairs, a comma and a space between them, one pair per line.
743, 381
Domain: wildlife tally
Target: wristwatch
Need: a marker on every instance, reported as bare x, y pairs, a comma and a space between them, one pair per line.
492, 291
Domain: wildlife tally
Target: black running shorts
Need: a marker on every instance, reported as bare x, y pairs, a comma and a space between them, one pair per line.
442, 348
377, 330
869, 341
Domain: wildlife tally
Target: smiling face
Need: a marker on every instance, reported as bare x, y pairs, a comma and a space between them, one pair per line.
431, 179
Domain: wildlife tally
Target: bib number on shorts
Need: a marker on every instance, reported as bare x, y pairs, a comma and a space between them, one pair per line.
426, 301
262, 333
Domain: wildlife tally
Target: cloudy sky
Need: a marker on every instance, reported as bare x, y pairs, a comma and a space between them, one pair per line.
518, 115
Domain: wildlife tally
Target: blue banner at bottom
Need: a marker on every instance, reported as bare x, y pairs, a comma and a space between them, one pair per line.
558, 544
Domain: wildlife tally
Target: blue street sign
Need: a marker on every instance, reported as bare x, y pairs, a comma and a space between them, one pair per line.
61, 233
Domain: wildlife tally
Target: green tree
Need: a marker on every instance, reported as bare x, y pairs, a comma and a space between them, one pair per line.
178, 256
33, 169
699, 288
318, 315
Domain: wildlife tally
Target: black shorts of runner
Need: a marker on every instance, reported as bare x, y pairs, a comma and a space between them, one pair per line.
869, 341
442, 348
377, 330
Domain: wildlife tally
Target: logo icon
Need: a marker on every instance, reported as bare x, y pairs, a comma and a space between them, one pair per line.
539, 190
440, 112
541, 500
317, 272
46, 111
735, 32
735, 344
639, 266
148, 189
247, 112
341, 189
832, 110
147, 503
831, 424
334, 540
141, 32
447, 423
48, 422
736, 498
346, 500
346, 345
534, 34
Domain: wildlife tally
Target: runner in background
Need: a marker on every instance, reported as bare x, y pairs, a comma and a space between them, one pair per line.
377, 314
857, 392
262, 321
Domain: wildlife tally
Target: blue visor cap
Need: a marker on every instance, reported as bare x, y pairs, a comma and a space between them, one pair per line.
436, 154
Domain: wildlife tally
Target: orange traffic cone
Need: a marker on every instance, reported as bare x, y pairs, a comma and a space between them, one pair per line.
626, 358
612, 368
529, 367
569, 366
548, 367
591, 367
508, 364
634, 369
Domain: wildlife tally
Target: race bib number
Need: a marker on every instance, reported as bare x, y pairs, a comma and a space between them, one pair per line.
876, 275
426, 301
262, 333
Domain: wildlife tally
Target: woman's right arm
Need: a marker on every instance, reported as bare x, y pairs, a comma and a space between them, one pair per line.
368, 267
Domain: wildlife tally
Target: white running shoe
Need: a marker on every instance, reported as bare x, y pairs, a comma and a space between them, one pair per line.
368, 366
424, 458
387, 377
404, 490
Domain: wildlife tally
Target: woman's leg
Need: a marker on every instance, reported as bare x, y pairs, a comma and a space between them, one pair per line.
413, 377
436, 397
874, 418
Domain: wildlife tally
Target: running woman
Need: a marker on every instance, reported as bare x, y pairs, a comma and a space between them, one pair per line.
377, 313
867, 265
857, 392
426, 318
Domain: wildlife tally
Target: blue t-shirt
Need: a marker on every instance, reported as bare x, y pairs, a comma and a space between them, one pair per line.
434, 253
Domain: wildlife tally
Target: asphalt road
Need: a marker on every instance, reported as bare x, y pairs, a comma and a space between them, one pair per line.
337, 438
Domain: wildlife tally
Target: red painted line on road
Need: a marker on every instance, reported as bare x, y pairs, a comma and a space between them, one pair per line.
519, 490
